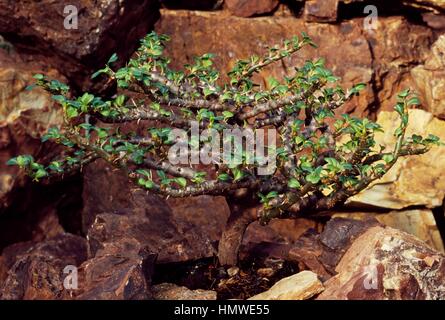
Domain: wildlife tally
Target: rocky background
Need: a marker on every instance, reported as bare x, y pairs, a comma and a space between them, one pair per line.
127, 243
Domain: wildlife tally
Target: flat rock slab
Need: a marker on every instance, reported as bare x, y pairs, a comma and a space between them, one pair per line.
300, 286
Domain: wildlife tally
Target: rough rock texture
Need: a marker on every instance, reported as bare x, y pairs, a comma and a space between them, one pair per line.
25, 115
120, 270
381, 59
300, 286
104, 27
385, 263
278, 231
418, 222
430, 79
36, 270
177, 230
321, 10
414, 180
248, 8
170, 291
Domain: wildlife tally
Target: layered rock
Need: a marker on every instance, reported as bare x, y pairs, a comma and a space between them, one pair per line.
417, 222
25, 115
379, 59
430, 79
120, 270
248, 8
177, 230
414, 180
384, 263
102, 28
36, 270
300, 286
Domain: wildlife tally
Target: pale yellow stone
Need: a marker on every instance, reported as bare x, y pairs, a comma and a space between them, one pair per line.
414, 180
300, 286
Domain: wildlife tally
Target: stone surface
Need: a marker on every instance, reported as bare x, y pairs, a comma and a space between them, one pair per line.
178, 230
36, 271
414, 180
430, 79
321, 10
279, 231
248, 8
379, 59
25, 115
300, 286
385, 263
418, 222
120, 270
103, 27
170, 291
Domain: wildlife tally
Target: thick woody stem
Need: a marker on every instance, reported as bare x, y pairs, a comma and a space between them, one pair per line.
240, 218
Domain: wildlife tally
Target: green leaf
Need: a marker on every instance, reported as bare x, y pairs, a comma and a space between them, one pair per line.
227, 114
404, 93
315, 176
112, 59
399, 108
181, 181
71, 112
224, 177
86, 99
413, 101
237, 174
39, 76
388, 158
120, 100
40, 173
294, 183
271, 195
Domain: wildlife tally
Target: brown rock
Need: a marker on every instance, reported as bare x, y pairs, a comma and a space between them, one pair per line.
300, 286
385, 263
170, 291
104, 27
37, 270
430, 79
25, 115
414, 180
321, 10
120, 270
378, 59
177, 230
418, 222
279, 231
248, 8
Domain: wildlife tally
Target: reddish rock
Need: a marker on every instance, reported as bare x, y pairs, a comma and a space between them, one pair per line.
248, 8
37, 270
385, 263
177, 230
104, 27
379, 59
321, 10
120, 270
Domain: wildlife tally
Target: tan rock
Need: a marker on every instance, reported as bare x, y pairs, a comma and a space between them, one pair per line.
300, 286
414, 180
418, 222
385, 263
25, 115
170, 291
430, 79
